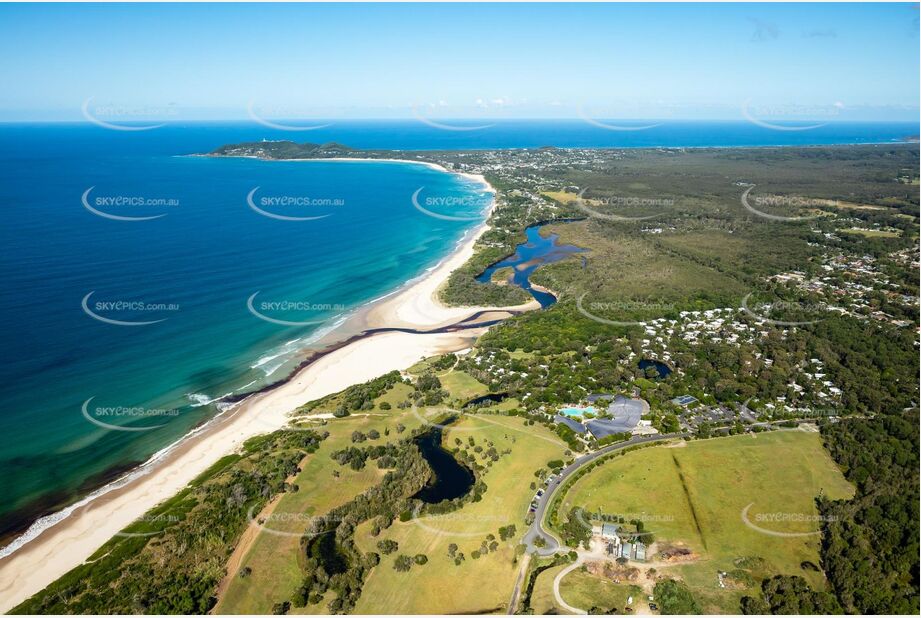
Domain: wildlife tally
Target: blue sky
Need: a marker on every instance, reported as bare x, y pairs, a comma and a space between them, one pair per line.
853, 61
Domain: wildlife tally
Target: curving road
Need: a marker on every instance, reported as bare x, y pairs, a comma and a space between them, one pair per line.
536, 530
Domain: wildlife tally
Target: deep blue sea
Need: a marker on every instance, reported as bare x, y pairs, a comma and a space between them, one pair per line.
140, 323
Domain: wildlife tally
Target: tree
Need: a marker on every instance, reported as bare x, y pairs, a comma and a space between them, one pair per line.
674, 597
704, 430
670, 424
790, 594
403, 563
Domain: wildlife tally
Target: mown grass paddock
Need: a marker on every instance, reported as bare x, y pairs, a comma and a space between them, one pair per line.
692, 496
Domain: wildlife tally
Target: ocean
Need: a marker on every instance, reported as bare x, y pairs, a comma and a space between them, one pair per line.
141, 284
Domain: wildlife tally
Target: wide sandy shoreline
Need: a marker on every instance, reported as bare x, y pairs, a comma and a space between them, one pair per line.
72, 540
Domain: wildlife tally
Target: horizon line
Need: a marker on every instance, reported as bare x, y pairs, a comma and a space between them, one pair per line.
243, 120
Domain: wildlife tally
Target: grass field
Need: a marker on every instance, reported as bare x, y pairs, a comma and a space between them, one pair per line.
274, 554
461, 385
476, 585
542, 599
563, 197
583, 590
693, 498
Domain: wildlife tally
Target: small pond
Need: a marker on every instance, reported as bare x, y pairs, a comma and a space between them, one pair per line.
450, 479
663, 369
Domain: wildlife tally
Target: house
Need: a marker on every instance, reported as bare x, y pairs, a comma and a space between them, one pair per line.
610, 531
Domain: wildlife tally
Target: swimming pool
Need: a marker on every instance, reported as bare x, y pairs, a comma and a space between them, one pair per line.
574, 411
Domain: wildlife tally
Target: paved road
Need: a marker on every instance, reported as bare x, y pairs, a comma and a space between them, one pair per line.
552, 544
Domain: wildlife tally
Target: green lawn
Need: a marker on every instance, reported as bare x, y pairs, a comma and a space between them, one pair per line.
461, 385
477, 585
542, 599
583, 590
693, 497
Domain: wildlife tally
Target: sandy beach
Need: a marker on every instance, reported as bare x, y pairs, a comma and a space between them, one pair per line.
72, 540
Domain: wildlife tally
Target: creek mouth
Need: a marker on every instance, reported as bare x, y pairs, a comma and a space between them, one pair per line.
450, 479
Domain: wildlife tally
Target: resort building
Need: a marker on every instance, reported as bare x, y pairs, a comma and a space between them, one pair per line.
625, 416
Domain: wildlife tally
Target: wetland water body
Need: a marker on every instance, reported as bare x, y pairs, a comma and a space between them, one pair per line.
450, 479
663, 369
528, 257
